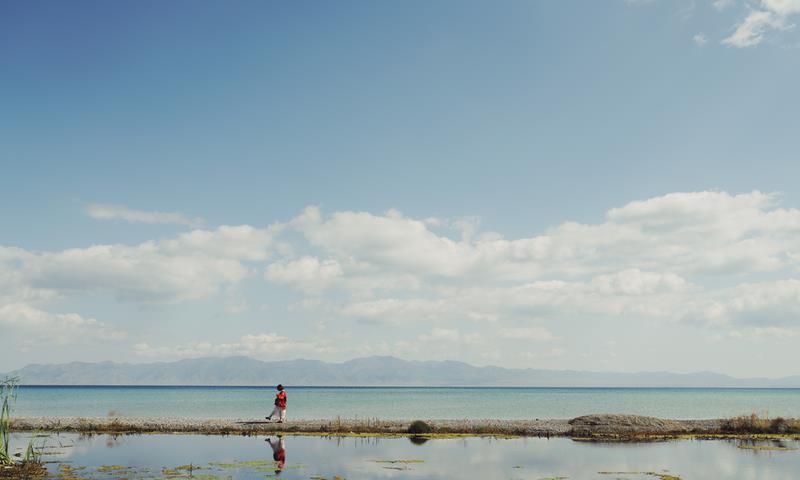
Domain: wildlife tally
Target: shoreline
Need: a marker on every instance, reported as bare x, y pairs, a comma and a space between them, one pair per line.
610, 427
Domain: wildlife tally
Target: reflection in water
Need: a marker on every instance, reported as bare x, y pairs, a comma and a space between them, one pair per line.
418, 440
243, 458
278, 453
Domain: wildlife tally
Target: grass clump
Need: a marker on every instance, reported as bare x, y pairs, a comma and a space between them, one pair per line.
418, 427
754, 423
30, 465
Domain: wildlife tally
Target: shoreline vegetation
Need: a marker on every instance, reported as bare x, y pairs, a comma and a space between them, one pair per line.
603, 427
14, 465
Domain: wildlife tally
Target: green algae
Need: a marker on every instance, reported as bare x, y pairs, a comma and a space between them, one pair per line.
399, 461
659, 476
111, 468
778, 448
243, 464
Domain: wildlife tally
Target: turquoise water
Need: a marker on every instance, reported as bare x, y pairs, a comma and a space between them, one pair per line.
404, 403
301, 458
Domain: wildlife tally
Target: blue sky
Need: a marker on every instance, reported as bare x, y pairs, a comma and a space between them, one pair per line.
546, 184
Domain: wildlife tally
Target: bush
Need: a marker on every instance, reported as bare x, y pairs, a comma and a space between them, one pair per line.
418, 427
755, 424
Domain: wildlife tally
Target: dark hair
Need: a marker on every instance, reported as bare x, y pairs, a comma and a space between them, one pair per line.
280, 387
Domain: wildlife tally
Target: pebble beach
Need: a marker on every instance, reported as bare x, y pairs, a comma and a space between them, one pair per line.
611, 424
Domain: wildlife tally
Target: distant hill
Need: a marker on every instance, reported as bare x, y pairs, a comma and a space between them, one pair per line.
370, 371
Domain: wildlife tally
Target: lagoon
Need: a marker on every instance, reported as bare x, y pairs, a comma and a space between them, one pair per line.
306, 457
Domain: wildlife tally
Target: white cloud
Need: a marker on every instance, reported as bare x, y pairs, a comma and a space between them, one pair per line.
535, 334
771, 15
633, 281
700, 39
239, 242
696, 257
629, 292
722, 4
553, 352
684, 232
193, 265
388, 240
306, 273
264, 345
120, 212
765, 305
448, 335
58, 328
639, 262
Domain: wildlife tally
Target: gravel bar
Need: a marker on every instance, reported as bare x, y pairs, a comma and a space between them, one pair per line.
590, 425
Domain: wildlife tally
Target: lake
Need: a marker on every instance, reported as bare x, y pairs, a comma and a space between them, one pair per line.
299, 457
405, 403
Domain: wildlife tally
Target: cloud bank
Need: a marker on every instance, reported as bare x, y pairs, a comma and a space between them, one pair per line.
722, 263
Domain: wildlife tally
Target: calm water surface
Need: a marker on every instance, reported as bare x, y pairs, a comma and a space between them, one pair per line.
405, 403
159, 456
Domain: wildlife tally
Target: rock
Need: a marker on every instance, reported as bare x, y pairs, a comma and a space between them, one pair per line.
613, 424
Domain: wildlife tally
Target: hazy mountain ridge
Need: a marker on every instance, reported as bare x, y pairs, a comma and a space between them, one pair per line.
369, 371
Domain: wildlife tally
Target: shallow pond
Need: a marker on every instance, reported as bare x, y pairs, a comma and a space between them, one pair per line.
300, 457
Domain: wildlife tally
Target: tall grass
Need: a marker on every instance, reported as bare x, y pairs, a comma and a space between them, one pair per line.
8, 391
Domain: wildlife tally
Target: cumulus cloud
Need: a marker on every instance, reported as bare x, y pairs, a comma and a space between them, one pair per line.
626, 293
390, 240
120, 212
696, 257
306, 273
191, 266
765, 304
770, 15
698, 232
58, 328
639, 262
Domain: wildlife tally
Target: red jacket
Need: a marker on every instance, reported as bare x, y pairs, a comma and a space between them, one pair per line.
280, 399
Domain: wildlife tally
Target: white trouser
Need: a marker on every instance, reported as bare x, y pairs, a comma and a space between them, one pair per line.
278, 412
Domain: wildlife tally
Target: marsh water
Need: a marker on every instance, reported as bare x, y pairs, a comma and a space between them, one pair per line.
405, 403
307, 457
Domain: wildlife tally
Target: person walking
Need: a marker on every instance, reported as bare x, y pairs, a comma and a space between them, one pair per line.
280, 405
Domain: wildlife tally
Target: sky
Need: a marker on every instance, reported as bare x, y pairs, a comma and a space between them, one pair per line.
586, 185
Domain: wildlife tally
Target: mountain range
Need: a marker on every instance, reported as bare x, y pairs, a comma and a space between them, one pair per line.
369, 371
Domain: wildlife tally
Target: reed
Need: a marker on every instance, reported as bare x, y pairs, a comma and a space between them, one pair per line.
8, 390
8, 393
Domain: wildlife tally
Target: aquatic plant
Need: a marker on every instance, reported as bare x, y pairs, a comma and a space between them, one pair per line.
8, 388
30, 465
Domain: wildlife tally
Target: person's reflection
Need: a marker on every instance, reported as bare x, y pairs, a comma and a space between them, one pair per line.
278, 453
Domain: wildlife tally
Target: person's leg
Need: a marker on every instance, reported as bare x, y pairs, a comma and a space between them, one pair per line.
282, 416
275, 411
